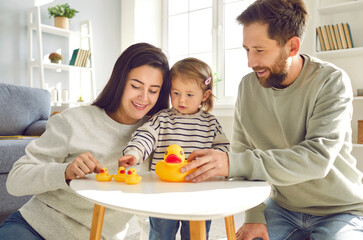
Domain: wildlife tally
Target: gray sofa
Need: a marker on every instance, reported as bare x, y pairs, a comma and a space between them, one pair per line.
23, 111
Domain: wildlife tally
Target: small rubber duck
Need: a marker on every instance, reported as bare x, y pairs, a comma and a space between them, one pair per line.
121, 174
103, 176
132, 177
169, 169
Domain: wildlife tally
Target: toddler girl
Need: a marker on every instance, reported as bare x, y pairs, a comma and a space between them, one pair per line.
188, 124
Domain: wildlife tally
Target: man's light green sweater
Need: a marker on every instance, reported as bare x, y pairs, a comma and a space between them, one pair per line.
299, 140
55, 211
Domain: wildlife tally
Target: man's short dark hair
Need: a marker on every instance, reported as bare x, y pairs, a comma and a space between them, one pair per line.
285, 18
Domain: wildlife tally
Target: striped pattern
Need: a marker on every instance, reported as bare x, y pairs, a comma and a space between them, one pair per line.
198, 131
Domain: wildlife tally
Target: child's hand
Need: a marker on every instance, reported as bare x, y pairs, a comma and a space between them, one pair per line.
126, 161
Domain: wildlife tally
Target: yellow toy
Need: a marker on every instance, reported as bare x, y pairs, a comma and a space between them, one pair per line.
121, 174
103, 176
132, 177
169, 168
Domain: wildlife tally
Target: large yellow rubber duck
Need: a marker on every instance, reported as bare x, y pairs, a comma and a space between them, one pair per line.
121, 174
132, 177
169, 168
103, 176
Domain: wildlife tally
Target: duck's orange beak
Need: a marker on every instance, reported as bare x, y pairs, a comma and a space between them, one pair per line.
172, 158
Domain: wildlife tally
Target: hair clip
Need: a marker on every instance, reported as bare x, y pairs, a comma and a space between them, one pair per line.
206, 82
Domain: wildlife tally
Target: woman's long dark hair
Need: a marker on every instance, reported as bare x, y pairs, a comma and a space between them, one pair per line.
134, 56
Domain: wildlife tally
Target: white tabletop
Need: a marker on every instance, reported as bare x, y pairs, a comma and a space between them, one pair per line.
207, 200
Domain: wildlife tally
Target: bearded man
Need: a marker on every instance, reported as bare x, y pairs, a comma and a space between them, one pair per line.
292, 128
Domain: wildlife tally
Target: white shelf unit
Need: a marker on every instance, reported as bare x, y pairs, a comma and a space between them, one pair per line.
340, 7
350, 52
76, 39
350, 60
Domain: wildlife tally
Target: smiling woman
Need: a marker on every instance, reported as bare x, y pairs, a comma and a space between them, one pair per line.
80, 141
142, 90
136, 63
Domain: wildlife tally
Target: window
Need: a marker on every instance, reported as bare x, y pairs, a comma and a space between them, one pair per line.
208, 30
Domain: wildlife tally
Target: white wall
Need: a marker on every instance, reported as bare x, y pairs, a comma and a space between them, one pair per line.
308, 41
13, 39
105, 18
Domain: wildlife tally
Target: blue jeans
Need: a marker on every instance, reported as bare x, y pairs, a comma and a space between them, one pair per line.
283, 224
166, 229
15, 228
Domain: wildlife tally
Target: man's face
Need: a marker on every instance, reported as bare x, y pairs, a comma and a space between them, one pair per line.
265, 56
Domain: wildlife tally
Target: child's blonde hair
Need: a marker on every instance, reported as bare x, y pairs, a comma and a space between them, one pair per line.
198, 70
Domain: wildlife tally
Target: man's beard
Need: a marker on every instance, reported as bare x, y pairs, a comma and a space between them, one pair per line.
278, 73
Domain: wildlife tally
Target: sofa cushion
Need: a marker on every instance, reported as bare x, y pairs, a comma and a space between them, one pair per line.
21, 106
10, 151
9, 203
37, 128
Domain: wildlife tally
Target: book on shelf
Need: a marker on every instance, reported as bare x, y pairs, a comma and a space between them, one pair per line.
74, 56
334, 37
342, 36
85, 58
348, 35
331, 36
80, 57
89, 63
88, 57
331, 29
325, 38
321, 40
337, 36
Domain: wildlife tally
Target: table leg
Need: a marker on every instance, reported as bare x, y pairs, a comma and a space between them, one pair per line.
197, 230
231, 231
97, 222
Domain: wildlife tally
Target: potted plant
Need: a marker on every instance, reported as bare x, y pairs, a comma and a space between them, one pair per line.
55, 57
62, 13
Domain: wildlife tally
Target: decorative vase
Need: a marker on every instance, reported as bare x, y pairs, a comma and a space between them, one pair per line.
61, 22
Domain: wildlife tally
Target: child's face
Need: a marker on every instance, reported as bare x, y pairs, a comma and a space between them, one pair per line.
186, 95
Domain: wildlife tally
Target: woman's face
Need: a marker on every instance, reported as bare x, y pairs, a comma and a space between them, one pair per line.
141, 93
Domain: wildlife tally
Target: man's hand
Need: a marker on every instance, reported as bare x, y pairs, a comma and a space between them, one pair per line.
82, 165
250, 231
126, 161
209, 163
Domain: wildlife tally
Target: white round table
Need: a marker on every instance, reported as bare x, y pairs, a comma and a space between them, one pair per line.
196, 202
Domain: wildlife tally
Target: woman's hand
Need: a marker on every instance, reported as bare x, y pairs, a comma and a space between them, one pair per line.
126, 161
82, 165
250, 231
